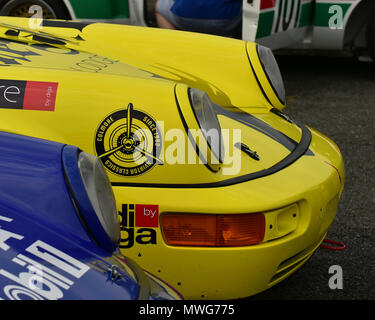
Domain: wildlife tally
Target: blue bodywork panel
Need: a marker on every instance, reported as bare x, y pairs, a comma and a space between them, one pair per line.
45, 250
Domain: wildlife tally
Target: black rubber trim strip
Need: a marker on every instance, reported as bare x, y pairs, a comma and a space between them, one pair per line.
299, 151
254, 123
186, 127
197, 120
256, 77
268, 78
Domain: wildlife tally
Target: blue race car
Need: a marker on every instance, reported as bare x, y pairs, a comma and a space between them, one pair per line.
59, 229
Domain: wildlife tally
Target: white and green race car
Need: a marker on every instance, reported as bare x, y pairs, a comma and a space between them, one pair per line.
346, 26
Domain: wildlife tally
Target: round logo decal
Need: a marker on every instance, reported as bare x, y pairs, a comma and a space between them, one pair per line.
128, 142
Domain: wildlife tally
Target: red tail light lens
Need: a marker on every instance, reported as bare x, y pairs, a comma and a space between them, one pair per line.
229, 230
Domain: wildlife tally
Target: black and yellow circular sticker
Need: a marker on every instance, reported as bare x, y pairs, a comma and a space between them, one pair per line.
128, 142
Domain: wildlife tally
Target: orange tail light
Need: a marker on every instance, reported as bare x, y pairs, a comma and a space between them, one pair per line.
212, 230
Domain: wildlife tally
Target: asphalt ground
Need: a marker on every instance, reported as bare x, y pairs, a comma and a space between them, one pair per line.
337, 97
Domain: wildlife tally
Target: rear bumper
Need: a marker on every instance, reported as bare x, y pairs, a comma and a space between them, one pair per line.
236, 272
230, 273
313, 184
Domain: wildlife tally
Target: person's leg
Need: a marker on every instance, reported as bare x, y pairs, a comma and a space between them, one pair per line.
161, 20
220, 27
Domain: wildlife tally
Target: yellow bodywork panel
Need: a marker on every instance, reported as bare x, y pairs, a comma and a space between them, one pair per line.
122, 93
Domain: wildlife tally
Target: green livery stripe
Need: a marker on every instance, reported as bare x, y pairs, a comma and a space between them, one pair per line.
307, 15
265, 24
99, 9
322, 14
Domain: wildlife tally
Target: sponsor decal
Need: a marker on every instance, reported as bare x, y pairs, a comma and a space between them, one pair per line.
93, 63
147, 215
28, 95
128, 142
138, 223
17, 50
37, 280
16, 53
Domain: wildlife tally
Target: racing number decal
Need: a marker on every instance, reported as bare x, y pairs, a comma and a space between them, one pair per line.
128, 142
286, 17
283, 15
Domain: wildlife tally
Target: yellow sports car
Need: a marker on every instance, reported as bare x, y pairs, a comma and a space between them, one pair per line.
219, 191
